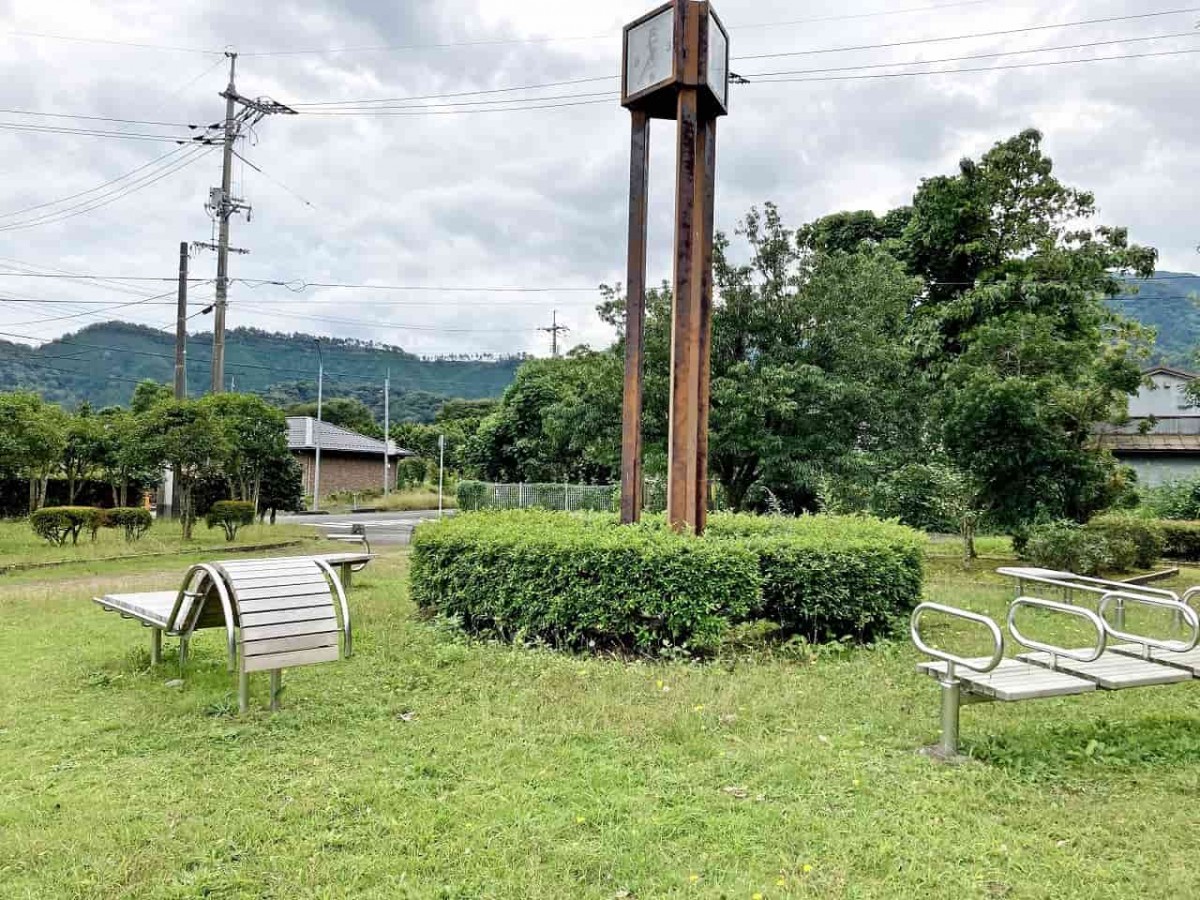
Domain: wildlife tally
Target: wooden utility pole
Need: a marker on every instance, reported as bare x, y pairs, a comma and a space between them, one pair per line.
676, 66
181, 325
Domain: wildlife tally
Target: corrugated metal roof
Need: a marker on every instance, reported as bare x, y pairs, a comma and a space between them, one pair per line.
1150, 443
303, 432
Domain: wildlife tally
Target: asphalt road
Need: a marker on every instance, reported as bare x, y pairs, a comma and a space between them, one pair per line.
382, 528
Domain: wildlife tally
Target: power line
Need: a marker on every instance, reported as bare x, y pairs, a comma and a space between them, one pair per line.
1037, 65
964, 37
112, 196
974, 56
98, 187
98, 132
51, 115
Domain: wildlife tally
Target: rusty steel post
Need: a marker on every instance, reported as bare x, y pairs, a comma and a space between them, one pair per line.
687, 321
635, 319
706, 154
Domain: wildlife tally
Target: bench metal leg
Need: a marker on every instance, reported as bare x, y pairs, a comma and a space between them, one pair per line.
155, 646
951, 697
347, 575
276, 679
183, 653
243, 692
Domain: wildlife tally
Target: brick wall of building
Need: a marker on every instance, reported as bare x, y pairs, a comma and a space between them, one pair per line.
342, 472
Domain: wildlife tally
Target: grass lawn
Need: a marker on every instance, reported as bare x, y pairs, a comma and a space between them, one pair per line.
430, 766
19, 544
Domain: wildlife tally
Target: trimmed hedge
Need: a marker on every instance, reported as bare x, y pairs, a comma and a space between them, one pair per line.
1113, 543
135, 521
582, 581
1181, 540
57, 523
831, 577
1134, 543
230, 515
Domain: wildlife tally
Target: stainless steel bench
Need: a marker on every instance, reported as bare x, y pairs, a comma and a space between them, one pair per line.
1047, 670
277, 613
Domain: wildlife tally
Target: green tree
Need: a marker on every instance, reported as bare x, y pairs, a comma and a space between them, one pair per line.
33, 436
1014, 333
84, 452
255, 437
149, 394
187, 436
281, 488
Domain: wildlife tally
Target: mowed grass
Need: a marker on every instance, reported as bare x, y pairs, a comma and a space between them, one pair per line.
432, 766
20, 545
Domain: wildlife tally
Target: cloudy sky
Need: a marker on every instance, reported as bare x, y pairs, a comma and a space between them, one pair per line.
462, 191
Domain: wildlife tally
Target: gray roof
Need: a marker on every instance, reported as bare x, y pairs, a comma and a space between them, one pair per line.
303, 432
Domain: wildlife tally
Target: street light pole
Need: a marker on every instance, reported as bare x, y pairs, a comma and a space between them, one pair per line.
317, 436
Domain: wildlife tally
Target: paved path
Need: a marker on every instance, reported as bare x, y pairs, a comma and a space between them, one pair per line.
382, 528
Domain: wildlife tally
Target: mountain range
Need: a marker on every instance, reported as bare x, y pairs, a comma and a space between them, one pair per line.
101, 364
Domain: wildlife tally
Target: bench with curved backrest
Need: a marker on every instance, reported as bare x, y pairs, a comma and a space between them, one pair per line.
277, 613
1047, 670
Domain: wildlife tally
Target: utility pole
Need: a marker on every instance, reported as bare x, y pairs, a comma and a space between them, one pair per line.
554, 330
223, 213
317, 435
181, 326
387, 426
223, 205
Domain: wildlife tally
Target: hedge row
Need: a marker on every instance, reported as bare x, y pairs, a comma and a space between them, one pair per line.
1114, 543
58, 523
582, 581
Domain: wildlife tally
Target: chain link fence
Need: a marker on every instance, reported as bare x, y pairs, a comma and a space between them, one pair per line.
569, 497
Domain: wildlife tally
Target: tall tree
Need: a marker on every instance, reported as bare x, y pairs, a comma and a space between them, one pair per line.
33, 435
186, 435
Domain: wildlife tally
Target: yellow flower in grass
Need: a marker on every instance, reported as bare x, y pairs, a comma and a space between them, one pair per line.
756, 896
806, 868
579, 820
781, 882
693, 878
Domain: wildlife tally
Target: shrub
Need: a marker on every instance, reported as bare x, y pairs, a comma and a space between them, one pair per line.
1181, 540
230, 515
580, 580
471, 494
1069, 546
924, 496
830, 577
57, 523
1125, 533
1176, 500
134, 520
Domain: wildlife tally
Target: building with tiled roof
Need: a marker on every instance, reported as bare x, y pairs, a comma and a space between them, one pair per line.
1161, 440
350, 462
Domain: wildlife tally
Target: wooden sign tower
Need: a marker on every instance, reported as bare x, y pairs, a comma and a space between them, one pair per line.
675, 66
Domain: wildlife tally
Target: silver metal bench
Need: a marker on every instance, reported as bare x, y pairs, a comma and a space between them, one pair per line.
1052, 671
277, 613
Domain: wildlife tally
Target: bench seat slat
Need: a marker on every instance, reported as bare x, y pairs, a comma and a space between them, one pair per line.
1013, 680
271, 593
295, 642
271, 604
299, 579
289, 660
1113, 671
283, 617
287, 629
1188, 661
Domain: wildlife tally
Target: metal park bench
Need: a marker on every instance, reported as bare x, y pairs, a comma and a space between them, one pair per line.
276, 613
1046, 670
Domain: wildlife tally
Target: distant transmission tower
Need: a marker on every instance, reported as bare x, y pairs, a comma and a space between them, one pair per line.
554, 330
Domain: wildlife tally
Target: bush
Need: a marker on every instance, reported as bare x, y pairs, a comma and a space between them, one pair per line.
1069, 546
1176, 500
57, 523
582, 581
923, 496
830, 577
230, 515
1133, 542
1181, 540
134, 520
471, 494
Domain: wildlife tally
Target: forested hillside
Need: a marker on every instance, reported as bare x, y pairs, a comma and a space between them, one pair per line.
102, 363
1171, 305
